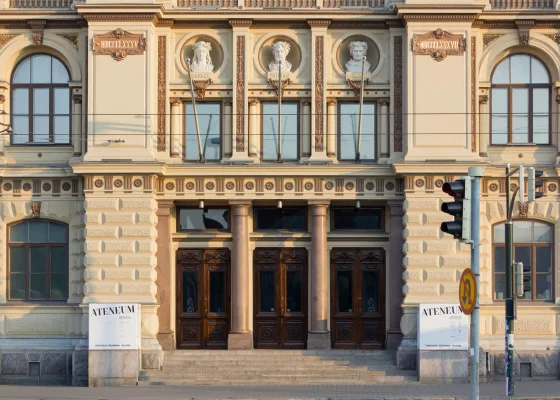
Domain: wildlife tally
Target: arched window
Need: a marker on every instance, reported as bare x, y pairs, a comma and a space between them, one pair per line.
520, 101
41, 101
533, 246
38, 261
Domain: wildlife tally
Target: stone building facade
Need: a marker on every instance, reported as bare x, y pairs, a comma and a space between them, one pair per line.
316, 240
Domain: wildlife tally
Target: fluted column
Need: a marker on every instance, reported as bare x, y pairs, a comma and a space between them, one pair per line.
240, 336
484, 125
165, 269
306, 129
254, 127
77, 124
319, 337
176, 123
383, 129
395, 271
332, 133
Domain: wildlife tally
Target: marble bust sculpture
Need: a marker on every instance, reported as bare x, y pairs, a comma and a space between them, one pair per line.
280, 51
358, 50
202, 62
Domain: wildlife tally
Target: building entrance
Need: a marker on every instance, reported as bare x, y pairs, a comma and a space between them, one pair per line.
280, 298
358, 298
203, 298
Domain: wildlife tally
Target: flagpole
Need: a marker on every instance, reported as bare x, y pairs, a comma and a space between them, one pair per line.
200, 153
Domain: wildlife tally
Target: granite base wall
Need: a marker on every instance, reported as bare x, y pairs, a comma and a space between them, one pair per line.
36, 367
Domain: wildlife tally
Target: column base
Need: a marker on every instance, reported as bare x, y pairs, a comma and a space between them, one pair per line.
240, 341
166, 340
394, 339
113, 367
319, 341
438, 367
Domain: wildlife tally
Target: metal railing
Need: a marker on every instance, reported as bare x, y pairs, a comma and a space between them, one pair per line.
523, 4
41, 3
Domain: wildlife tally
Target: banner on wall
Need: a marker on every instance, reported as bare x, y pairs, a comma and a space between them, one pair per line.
114, 327
442, 327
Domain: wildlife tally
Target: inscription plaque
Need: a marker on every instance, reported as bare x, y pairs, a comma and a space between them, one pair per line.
439, 44
119, 44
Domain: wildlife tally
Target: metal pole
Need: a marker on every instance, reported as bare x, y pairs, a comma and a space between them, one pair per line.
200, 153
510, 388
279, 110
476, 173
361, 108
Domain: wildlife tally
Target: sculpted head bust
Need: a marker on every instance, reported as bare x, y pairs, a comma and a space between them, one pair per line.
280, 51
202, 62
358, 50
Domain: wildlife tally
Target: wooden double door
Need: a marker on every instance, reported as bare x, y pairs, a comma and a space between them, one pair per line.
203, 298
358, 298
280, 298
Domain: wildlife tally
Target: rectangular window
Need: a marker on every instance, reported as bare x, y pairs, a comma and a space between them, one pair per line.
368, 219
289, 132
203, 219
348, 126
290, 219
210, 127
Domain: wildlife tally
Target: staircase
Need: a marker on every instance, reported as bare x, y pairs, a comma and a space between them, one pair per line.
277, 367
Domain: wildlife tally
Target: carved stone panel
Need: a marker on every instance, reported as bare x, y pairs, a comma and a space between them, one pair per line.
119, 44
439, 44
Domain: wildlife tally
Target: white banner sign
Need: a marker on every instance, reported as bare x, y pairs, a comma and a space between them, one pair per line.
442, 327
114, 327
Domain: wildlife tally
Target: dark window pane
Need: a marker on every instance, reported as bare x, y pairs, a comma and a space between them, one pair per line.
61, 129
37, 260
209, 123
218, 292
522, 232
544, 259
41, 101
541, 104
371, 291
344, 289
41, 130
17, 286
499, 286
37, 287
20, 101
17, 259
520, 116
281, 218
38, 232
59, 287
18, 233
544, 287
499, 233
348, 130
23, 72
501, 73
499, 98
289, 131
196, 218
523, 254
266, 289
21, 130
41, 69
59, 72
520, 68
499, 259
62, 101
543, 232
539, 73
293, 291
57, 233
352, 218
190, 292
59, 260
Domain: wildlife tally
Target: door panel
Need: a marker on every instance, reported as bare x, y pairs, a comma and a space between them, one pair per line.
280, 307
358, 298
203, 298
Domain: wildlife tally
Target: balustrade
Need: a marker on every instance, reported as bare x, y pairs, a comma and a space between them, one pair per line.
523, 4
40, 3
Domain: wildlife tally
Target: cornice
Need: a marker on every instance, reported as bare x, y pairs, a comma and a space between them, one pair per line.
447, 167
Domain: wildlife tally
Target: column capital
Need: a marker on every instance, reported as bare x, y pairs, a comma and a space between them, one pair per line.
175, 101
331, 101
483, 99
384, 101
240, 202
253, 101
164, 208
319, 202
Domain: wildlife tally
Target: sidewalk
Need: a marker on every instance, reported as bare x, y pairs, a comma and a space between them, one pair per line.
524, 390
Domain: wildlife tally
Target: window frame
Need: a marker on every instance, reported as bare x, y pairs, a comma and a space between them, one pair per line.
530, 87
256, 210
187, 102
382, 219
298, 139
532, 246
339, 126
178, 224
48, 270
51, 87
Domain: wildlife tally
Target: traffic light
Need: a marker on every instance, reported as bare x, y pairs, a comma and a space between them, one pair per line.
522, 279
460, 190
533, 184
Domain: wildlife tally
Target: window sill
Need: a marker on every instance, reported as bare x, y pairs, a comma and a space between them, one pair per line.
45, 303
499, 146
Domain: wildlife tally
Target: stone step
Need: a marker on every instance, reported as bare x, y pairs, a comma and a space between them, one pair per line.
226, 357
250, 362
274, 352
225, 369
232, 372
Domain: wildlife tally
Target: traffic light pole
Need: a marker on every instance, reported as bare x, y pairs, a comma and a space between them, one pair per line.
510, 299
475, 173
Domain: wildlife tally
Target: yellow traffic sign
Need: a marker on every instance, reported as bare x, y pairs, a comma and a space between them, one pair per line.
467, 291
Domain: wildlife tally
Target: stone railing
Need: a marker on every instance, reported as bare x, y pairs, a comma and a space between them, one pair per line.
354, 3
523, 4
41, 3
280, 3
330, 4
207, 3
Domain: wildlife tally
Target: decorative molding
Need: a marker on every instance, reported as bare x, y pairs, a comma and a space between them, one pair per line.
240, 100
200, 86
162, 54
5, 38
523, 27
489, 38
37, 30
73, 38
524, 38
397, 84
554, 37
439, 44
319, 92
524, 210
483, 99
119, 44
473, 94
36, 209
